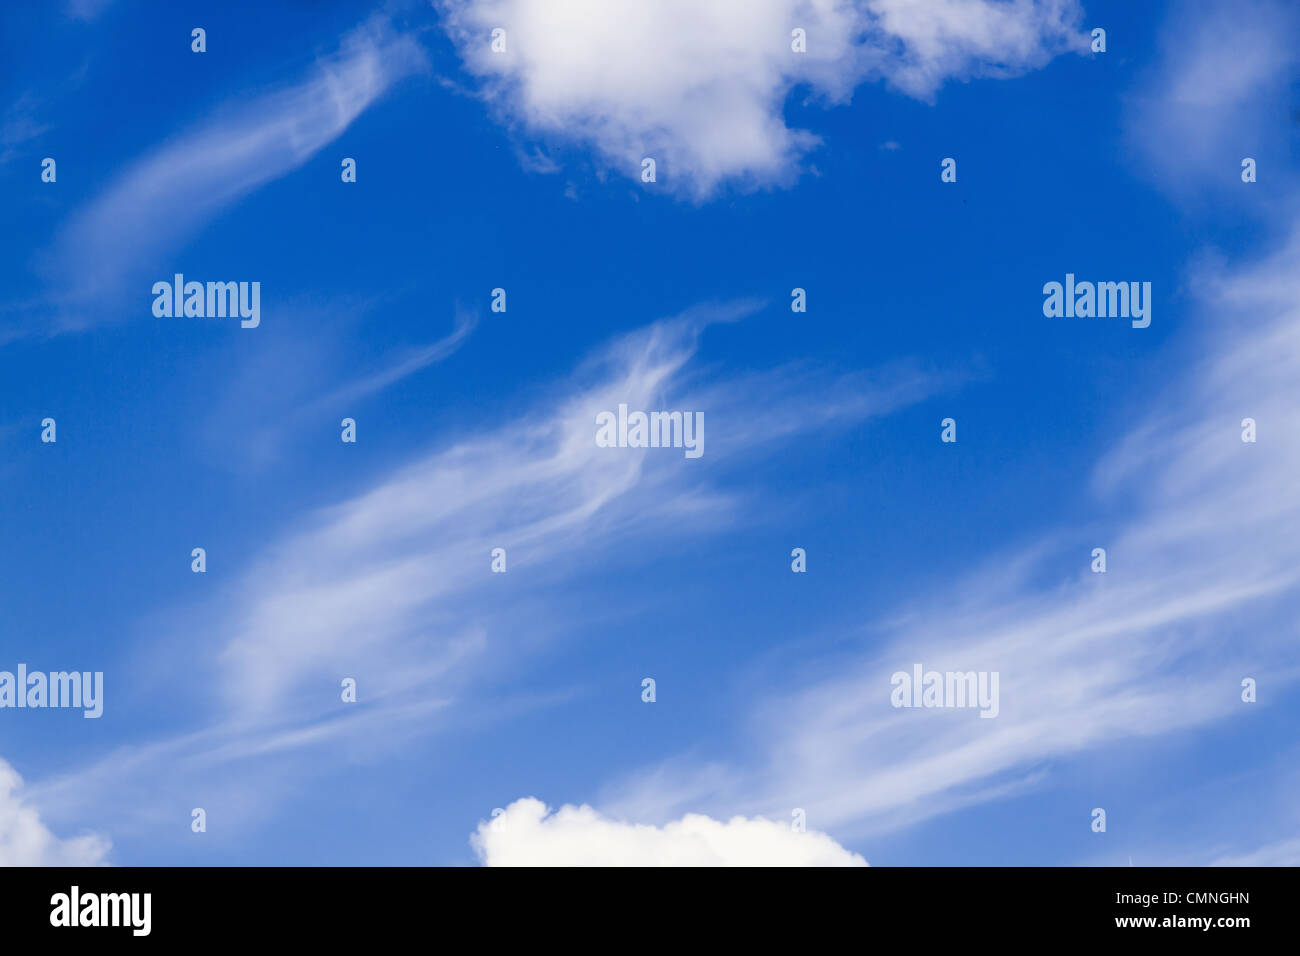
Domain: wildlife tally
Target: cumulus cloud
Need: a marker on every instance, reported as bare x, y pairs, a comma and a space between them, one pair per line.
25, 840
702, 86
528, 834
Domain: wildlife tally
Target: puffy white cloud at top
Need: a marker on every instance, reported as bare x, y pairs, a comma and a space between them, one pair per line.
702, 86
526, 834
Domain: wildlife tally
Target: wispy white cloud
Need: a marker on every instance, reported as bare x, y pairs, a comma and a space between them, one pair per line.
702, 87
165, 197
528, 834
293, 387
392, 586
1202, 590
1202, 531
381, 578
414, 360
20, 125
87, 9
1281, 853
1220, 91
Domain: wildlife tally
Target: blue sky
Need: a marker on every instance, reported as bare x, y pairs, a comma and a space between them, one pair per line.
776, 170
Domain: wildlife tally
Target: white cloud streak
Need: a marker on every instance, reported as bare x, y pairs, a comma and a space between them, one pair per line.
413, 361
162, 199
1219, 93
392, 586
1203, 589
395, 575
1203, 586
1281, 853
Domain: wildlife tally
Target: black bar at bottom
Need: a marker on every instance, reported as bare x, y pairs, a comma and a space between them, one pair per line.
334, 905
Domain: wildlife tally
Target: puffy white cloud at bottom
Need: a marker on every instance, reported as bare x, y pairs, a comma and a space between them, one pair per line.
527, 833
25, 840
